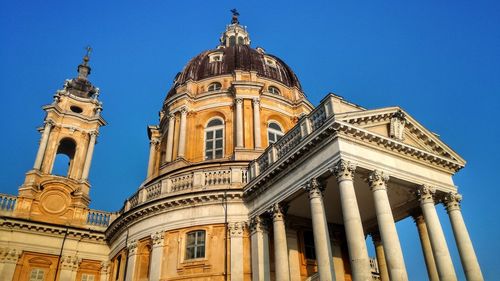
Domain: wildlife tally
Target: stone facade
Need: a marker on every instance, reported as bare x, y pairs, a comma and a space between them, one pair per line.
246, 180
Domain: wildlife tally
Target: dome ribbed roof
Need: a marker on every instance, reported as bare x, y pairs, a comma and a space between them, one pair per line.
237, 57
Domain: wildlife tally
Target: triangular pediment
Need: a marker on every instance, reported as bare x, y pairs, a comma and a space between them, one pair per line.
395, 124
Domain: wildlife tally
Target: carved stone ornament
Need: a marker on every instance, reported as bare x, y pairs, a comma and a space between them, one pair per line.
132, 247
344, 170
70, 262
157, 239
171, 116
314, 188
426, 194
105, 267
398, 122
377, 180
238, 101
256, 102
278, 211
452, 201
236, 229
258, 224
9, 255
155, 142
184, 110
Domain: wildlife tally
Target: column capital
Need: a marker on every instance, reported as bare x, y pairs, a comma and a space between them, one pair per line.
376, 237
278, 211
258, 224
452, 201
154, 141
157, 239
184, 110
378, 180
343, 170
238, 101
132, 247
256, 102
171, 116
49, 123
236, 229
93, 133
104, 267
425, 194
314, 188
70, 262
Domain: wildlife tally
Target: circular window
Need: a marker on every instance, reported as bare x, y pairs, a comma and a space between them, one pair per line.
75, 109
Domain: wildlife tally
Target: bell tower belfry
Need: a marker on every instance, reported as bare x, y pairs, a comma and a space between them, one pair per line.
57, 188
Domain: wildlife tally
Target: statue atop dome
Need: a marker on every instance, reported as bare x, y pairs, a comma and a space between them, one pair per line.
235, 13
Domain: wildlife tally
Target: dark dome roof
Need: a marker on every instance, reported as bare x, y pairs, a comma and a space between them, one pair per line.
237, 57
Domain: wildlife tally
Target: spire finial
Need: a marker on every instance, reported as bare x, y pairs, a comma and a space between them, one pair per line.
84, 68
234, 19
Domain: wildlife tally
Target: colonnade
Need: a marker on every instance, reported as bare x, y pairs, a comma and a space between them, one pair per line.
387, 245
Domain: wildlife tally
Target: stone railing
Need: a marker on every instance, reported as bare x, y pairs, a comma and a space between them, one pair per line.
7, 203
100, 218
187, 182
306, 125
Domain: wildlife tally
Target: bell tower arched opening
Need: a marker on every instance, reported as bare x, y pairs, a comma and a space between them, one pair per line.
63, 159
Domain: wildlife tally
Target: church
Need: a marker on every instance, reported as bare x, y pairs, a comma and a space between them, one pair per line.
246, 180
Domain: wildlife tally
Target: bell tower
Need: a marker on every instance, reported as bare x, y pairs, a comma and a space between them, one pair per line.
56, 190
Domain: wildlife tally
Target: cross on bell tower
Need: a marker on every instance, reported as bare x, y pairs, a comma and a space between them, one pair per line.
57, 188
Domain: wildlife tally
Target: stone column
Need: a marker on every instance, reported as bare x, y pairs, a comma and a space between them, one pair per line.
43, 145
259, 240
8, 262
104, 271
292, 245
239, 122
170, 137
256, 123
182, 133
156, 256
68, 268
430, 263
236, 236
320, 231
379, 251
358, 254
462, 238
442, 256
280, 249
88, 157
387, 228
132, 260
153, 145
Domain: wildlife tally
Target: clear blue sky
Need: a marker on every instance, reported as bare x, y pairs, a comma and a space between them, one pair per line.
439, 60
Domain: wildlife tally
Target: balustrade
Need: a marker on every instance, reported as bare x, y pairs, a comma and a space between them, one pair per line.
7, 202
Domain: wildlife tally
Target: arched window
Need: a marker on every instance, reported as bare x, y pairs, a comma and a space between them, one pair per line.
118, 264
273, 90
195, 244
215, 86
240, 40
274, 132
232, 41
64, 157
214, 139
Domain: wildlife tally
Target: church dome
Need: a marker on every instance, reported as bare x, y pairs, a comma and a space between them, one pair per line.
227, 59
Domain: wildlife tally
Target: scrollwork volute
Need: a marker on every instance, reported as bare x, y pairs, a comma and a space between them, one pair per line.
378, 180
132, 247
314, 188
344, 170
425, 194
238, 101
157, 239
258, 224
452, 201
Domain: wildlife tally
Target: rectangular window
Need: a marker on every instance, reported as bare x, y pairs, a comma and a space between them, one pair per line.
37, 274
195, 245
214, 143
87, 277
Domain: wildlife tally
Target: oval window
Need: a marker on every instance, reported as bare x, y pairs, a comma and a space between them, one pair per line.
76, 109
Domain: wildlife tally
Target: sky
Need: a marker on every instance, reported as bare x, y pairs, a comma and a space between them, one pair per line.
438, 60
